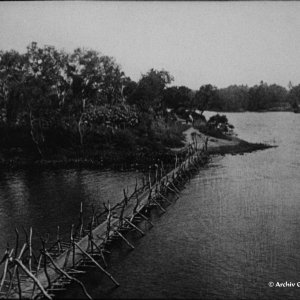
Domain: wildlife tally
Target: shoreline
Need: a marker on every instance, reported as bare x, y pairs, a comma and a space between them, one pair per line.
217, 146
124, 161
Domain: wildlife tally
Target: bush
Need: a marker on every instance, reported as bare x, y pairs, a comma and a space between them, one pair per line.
169, 134
217, 126
124, 139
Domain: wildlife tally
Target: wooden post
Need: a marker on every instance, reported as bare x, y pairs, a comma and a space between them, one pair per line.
7, 257
101, 253
136, 184
20, 264
161, 169
136, 228
145, 218
17, 241
93, 216
159, 205
73, 246
19, 284
108, 222
30, 248
143, 182
68, 276
81, 220
15, 269
165, 198
174, 187
103, 270
45, 263
59, 248
91, 238
125, 240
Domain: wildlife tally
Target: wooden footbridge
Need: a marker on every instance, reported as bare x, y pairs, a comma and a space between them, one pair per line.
28, 276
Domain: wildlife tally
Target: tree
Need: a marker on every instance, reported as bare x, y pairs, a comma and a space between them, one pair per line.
177, 97
294, 97
232, 98
148, 94
95, 80
205, 95
264, 97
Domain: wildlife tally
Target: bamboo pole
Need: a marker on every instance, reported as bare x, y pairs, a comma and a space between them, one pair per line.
138, 229
23, 267
16, 268
17, 241
124, 239
68, 276
8, 256
101, 253
19, 284
73, 247
165, 198
30, 248
159, 205
59, 248
45, 263
145, 218
171, 182
81, 220
92, 259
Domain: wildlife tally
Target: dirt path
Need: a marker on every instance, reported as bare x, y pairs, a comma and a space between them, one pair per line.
220, 146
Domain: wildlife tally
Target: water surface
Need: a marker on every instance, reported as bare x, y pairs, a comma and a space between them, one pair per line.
235, 227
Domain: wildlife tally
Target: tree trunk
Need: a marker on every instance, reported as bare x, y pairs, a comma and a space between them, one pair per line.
32, 134
80, 129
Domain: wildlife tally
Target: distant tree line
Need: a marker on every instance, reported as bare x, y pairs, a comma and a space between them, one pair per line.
262, 97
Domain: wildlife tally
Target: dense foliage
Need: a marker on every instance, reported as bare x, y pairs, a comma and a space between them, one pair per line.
262, 97
53, 102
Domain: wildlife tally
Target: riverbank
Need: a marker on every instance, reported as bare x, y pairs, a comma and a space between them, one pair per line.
125, 160
230, 145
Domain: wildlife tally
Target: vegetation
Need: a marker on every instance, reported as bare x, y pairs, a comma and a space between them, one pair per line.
262, 97
58, 105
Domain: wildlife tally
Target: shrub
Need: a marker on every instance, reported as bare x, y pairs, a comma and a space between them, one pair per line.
169, 134
124, 139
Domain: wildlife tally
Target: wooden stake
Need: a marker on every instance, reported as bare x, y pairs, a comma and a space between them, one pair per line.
15, 269
124, 239
73, 247
45, 263
92, 259
68, 276
159, 205
145, 218
174, 187
19, 284
17, 241
165, 198
8, 255
30, 248
101, 253
22, 266
81, 221
138, 229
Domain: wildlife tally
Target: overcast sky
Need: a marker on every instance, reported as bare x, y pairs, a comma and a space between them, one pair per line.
221, 43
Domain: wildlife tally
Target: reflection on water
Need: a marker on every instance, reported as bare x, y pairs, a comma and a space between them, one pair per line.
47, 199
234, 228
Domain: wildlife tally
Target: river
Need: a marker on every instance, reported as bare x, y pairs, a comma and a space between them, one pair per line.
234, 229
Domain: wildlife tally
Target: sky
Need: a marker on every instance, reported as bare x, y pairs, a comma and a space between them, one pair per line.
220, 43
